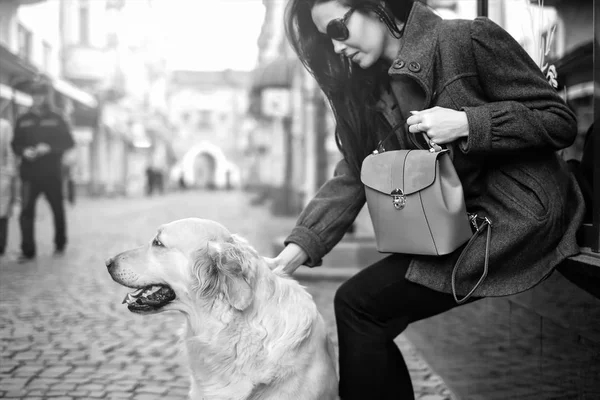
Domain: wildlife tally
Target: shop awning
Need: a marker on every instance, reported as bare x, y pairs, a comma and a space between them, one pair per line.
14, 65
74, 93
275, 74
21, 98
24, 73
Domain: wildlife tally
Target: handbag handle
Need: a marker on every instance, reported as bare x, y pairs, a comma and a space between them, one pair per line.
433, 147
479, 229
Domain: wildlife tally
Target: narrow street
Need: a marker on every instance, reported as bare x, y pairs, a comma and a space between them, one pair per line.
64, 333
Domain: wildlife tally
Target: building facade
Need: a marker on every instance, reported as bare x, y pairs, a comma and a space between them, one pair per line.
290, 149
122, 67
208, 111
31, 49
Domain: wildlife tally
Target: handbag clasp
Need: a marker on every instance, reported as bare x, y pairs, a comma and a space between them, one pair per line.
398, 199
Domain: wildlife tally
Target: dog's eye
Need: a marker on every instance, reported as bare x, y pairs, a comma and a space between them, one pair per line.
157, 243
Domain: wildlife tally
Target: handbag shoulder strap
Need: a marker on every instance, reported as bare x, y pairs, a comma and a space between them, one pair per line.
479, 230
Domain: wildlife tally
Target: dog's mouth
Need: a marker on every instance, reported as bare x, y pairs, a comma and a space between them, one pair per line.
149, 298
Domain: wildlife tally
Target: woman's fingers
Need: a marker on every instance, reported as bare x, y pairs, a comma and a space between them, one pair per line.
442, 125
415, 123
414, 119
417, 128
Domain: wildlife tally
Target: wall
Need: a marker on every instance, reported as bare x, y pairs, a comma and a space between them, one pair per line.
208, 115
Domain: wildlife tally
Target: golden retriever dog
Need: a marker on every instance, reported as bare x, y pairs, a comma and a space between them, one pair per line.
250, 333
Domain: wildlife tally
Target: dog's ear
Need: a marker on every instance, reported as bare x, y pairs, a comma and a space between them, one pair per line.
230, 271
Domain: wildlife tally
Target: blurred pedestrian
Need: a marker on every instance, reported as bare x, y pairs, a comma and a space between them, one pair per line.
8, 181
393, 69
150, 180
68, 165
41, 137
181, 182
159, 181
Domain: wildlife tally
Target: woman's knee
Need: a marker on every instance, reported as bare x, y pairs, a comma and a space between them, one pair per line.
354, 303
367, 284
375, 299
346, 295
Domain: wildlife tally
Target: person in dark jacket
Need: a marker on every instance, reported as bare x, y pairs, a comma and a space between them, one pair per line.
41, 137
394, 66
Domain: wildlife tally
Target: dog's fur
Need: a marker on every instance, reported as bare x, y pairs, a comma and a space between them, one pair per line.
251, 333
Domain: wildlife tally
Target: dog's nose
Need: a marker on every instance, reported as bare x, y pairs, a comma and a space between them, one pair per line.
109, 263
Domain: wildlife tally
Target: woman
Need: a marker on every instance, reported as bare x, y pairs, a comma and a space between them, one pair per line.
394, 66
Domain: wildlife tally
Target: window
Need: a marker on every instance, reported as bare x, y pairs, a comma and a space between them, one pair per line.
204, 118
4, 29
115, 4
84, 22
23, 42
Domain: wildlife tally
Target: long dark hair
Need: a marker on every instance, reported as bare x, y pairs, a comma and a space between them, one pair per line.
352, 91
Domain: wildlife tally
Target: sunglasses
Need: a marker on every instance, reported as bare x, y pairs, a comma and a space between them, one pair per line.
337, 29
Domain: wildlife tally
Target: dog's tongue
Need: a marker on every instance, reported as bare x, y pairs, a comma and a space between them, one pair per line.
150, 298
132, 297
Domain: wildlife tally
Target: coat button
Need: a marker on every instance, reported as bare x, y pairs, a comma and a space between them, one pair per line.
414, 66
399, 64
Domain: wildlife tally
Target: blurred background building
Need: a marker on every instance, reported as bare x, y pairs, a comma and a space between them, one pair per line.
208, 111
132, 115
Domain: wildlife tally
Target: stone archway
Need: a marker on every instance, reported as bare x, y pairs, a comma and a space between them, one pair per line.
205, 165
204, 171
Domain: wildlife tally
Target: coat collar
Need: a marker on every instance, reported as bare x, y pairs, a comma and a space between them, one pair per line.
420, 36
418, 45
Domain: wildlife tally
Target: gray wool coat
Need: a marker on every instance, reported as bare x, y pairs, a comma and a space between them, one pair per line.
508, 164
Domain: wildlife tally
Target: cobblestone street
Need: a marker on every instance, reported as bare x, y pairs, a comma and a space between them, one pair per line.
64, 333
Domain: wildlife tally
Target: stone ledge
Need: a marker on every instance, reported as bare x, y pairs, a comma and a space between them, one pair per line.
325, 273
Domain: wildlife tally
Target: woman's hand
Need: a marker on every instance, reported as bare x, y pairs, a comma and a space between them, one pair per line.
288, 261
441, 125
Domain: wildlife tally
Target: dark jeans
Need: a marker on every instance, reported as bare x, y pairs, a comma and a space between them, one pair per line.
371, 309
70, 189
3, 233
52, 188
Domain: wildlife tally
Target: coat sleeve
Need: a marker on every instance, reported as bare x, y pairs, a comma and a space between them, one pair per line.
18, 143
524, 111
329, 215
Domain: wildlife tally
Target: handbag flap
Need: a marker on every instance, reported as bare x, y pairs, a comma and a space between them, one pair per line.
408, 170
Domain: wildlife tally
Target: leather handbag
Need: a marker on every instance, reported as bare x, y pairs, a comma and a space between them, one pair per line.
416, 202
